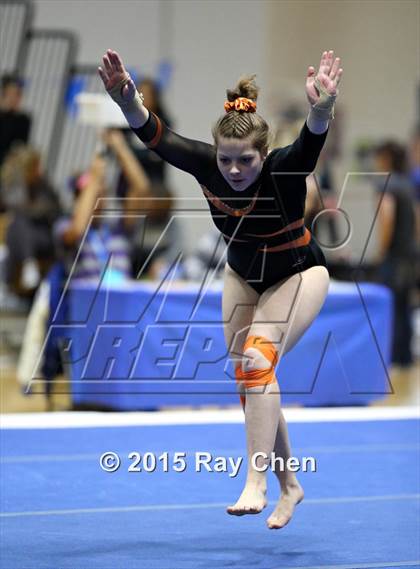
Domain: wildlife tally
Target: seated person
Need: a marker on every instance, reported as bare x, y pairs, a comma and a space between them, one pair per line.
14, 124
208, 258
32, 206
397, 242
157, 237
100, 239
155, 234
153, 165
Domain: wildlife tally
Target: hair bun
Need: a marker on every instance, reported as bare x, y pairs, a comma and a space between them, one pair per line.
246, 88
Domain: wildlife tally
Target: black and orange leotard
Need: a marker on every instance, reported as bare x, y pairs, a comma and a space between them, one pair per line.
262, 225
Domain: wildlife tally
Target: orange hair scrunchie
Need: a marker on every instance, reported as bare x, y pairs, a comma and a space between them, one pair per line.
241, 104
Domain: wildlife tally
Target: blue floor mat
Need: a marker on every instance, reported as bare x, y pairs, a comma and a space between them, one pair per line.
60, 510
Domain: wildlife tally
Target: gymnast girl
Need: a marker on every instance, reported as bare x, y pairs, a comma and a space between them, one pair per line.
275, 279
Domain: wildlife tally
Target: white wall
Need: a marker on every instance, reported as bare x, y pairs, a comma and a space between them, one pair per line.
131, 27
379, 44
209, 57
204, 40
211, 43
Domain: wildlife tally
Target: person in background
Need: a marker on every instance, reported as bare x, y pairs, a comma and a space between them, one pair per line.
397, 243
93, 242
15, 125
32, 206
156, 237
414, 164
107, 235
207, 257
153, 165
321, 194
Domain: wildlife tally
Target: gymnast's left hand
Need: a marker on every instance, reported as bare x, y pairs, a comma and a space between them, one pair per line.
329, 75
114, 74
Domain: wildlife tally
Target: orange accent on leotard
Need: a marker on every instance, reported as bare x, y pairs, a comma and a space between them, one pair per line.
155, 140
300, 242
217, 202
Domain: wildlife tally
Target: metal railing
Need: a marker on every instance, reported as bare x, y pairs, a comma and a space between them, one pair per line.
15, 20
78, 141
50, 56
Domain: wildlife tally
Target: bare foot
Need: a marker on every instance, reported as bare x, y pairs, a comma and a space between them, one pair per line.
251, 501
283, 512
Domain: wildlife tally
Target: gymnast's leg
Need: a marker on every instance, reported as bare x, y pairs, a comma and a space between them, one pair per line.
283, 314
296, 302
239, 305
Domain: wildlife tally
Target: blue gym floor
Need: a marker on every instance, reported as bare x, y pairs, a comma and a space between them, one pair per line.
60, 510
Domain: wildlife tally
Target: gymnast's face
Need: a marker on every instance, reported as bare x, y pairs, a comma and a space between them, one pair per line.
239, 162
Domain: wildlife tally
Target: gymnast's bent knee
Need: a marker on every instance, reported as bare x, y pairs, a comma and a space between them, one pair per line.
259, 374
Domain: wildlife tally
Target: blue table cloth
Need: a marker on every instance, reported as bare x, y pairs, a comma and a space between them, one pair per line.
137, 346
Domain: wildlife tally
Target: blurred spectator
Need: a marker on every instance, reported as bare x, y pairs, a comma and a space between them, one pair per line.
397, 247
14, 124
92, 241
157, 236
208, 257
320, 190
154, 166
32, 206
153, 98
107, 235
414, 164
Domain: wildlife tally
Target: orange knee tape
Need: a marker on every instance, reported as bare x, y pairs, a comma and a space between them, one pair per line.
257, 377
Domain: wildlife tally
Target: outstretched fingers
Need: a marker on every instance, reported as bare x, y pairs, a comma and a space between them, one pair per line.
334, 68
330, 71
338, 77
112, 71
116, 61
107, 64
103, 76
324, 65
311, 72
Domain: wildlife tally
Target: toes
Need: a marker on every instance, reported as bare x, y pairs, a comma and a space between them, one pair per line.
274, 526
244, 510
238, 512
277, 523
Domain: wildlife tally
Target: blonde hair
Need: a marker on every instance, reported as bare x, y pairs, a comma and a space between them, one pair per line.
20, 166
239, 124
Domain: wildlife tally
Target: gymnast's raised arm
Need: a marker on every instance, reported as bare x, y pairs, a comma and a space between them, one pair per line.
321, 92
191, 156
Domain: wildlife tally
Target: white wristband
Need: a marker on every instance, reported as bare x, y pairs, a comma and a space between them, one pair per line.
133, 110
324, 108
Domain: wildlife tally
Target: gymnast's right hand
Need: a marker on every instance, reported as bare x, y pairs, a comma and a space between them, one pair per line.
117, 80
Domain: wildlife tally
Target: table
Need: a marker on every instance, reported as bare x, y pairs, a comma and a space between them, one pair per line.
138, 346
